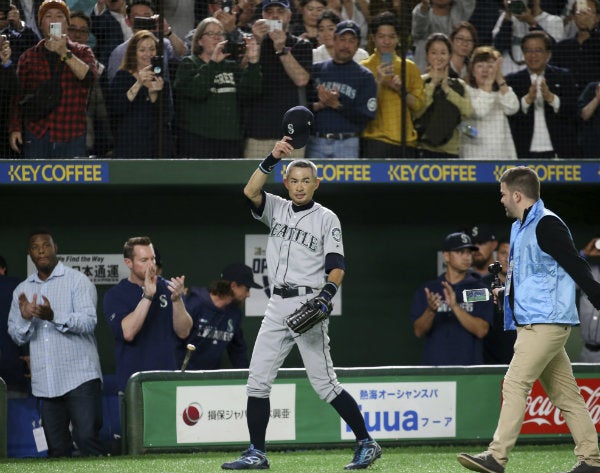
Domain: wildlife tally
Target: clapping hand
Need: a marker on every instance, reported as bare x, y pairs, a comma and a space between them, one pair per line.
449, 294
177, 287
532, 94
150, 280
33, 309
434, 300
329, 98
546, 94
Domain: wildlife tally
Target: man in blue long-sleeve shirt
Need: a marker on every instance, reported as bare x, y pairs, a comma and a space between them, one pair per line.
54, 310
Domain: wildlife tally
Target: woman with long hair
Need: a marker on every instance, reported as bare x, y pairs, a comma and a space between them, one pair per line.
138, 96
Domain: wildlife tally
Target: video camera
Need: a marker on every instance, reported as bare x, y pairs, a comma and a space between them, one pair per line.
236, 50
149, 23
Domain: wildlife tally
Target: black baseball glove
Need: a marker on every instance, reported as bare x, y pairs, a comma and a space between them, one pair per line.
309, 314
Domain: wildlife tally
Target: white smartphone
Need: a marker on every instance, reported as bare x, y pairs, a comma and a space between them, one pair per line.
582, 5
476, 295
56, 29
274, 25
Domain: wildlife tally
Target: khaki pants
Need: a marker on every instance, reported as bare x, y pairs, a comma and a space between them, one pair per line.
540, 354
260, 149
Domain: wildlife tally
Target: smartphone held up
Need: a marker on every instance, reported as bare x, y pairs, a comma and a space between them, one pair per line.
56, 30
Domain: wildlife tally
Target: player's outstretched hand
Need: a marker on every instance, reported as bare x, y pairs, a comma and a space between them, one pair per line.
282, 148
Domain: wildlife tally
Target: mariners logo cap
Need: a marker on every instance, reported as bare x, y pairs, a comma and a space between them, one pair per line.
481, 234
281, 3
297, 122
348, 26
241, 274
458, 241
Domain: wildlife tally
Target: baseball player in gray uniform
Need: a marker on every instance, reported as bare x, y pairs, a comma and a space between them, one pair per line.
305, 258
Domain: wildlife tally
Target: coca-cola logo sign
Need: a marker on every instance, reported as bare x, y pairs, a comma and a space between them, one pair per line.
542, 417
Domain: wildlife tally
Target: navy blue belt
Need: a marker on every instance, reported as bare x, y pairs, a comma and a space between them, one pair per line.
336, 136
285, 292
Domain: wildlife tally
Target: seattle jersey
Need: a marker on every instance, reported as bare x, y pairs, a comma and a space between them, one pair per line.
298, 241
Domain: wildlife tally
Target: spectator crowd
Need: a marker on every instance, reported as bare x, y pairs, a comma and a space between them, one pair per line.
471, 79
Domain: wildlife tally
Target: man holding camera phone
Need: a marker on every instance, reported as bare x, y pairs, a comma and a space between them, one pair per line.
286, 63
519, 18
61, 132
539, 301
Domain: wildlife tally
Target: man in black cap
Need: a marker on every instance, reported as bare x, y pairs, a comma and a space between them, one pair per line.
452, 329
217, 315
484, 239
344, 98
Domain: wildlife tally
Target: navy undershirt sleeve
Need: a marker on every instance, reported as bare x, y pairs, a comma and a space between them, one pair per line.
334, 261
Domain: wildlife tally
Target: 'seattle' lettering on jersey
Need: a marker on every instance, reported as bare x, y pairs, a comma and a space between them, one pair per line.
299, 241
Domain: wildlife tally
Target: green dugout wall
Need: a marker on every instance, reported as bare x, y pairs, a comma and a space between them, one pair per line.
394, 216
170, 411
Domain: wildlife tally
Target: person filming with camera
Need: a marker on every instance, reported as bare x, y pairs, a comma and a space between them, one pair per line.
135, 96
208, 88
519, 18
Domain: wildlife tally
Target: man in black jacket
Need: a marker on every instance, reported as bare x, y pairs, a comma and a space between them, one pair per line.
543, 128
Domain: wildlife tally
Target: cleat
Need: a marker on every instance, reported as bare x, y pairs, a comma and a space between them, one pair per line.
583, 467
483, 462
365, 454
251, 459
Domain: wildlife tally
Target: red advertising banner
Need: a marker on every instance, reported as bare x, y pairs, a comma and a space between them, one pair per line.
542, 417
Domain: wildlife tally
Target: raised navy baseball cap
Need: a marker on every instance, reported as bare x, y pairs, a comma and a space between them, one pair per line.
458, 241
241, 274
348, 26
281, 3
297, 122
481, 233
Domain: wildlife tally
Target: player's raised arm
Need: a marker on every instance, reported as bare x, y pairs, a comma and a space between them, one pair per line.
259, 177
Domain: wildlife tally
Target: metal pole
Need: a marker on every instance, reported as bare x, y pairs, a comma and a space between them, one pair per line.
160, 51
404, 19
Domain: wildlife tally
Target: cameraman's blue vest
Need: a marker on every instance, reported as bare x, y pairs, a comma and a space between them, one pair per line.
543, 292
